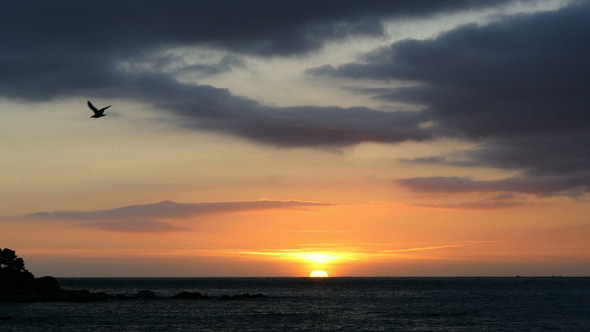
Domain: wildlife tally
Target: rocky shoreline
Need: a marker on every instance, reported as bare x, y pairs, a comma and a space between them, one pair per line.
19, 285
47, 289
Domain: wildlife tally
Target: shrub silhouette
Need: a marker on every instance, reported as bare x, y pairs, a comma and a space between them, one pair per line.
9, 261
12, 271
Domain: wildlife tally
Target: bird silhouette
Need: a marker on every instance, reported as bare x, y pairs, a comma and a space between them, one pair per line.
97, 112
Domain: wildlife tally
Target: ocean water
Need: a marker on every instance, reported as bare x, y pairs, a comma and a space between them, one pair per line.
326, 304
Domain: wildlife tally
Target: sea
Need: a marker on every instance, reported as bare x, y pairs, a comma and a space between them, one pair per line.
316, 304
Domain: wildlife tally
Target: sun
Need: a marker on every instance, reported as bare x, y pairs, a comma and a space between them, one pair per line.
318, 274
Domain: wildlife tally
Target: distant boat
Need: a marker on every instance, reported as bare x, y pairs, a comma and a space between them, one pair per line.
97, 112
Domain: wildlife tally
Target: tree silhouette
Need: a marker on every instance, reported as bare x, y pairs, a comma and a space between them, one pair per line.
10, 262
13, 273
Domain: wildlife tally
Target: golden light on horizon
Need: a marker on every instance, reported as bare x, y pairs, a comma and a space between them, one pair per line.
314, 257
353, 257
317, 261
318, 274
319, 257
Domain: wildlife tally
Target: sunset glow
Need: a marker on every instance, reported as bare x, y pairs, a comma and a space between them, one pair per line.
318, 274
387, 138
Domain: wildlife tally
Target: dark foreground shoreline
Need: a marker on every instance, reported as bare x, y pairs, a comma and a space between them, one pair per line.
47, 289
17, 284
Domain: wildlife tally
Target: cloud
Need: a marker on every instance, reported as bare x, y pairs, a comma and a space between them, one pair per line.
423, 248
154, 217
70, 60
136, 226
206, 107
519, 87
174, 63
225, 64
324, 126
476, 205
105, 49
523, 76
262, 27
442, 160
571, 185
170, 210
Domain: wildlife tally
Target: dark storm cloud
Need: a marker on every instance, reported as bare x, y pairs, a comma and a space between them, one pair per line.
150, 217
111, 49
263, 27
518, 86
322, 126
518, 77
206, 107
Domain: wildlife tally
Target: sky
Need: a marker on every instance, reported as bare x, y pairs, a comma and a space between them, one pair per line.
274, 138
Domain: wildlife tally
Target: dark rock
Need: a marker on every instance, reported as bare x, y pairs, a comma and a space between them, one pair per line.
47, 285
5, 317
145, 294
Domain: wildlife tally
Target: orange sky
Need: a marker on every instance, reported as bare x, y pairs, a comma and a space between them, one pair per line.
391, 140
363, 239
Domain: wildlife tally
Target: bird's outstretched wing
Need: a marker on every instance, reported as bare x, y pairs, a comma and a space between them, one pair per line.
92, 106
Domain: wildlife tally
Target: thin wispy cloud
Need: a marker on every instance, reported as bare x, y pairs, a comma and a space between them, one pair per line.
156, 217
573, 185
422, 248
472, 205
348, 253
136, 226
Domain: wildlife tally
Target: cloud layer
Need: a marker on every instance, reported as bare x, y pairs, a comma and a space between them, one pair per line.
540, 186
519, 87
261, 27
155, 217
92, 48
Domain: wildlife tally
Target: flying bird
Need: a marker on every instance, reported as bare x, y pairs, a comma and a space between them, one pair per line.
97, 112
